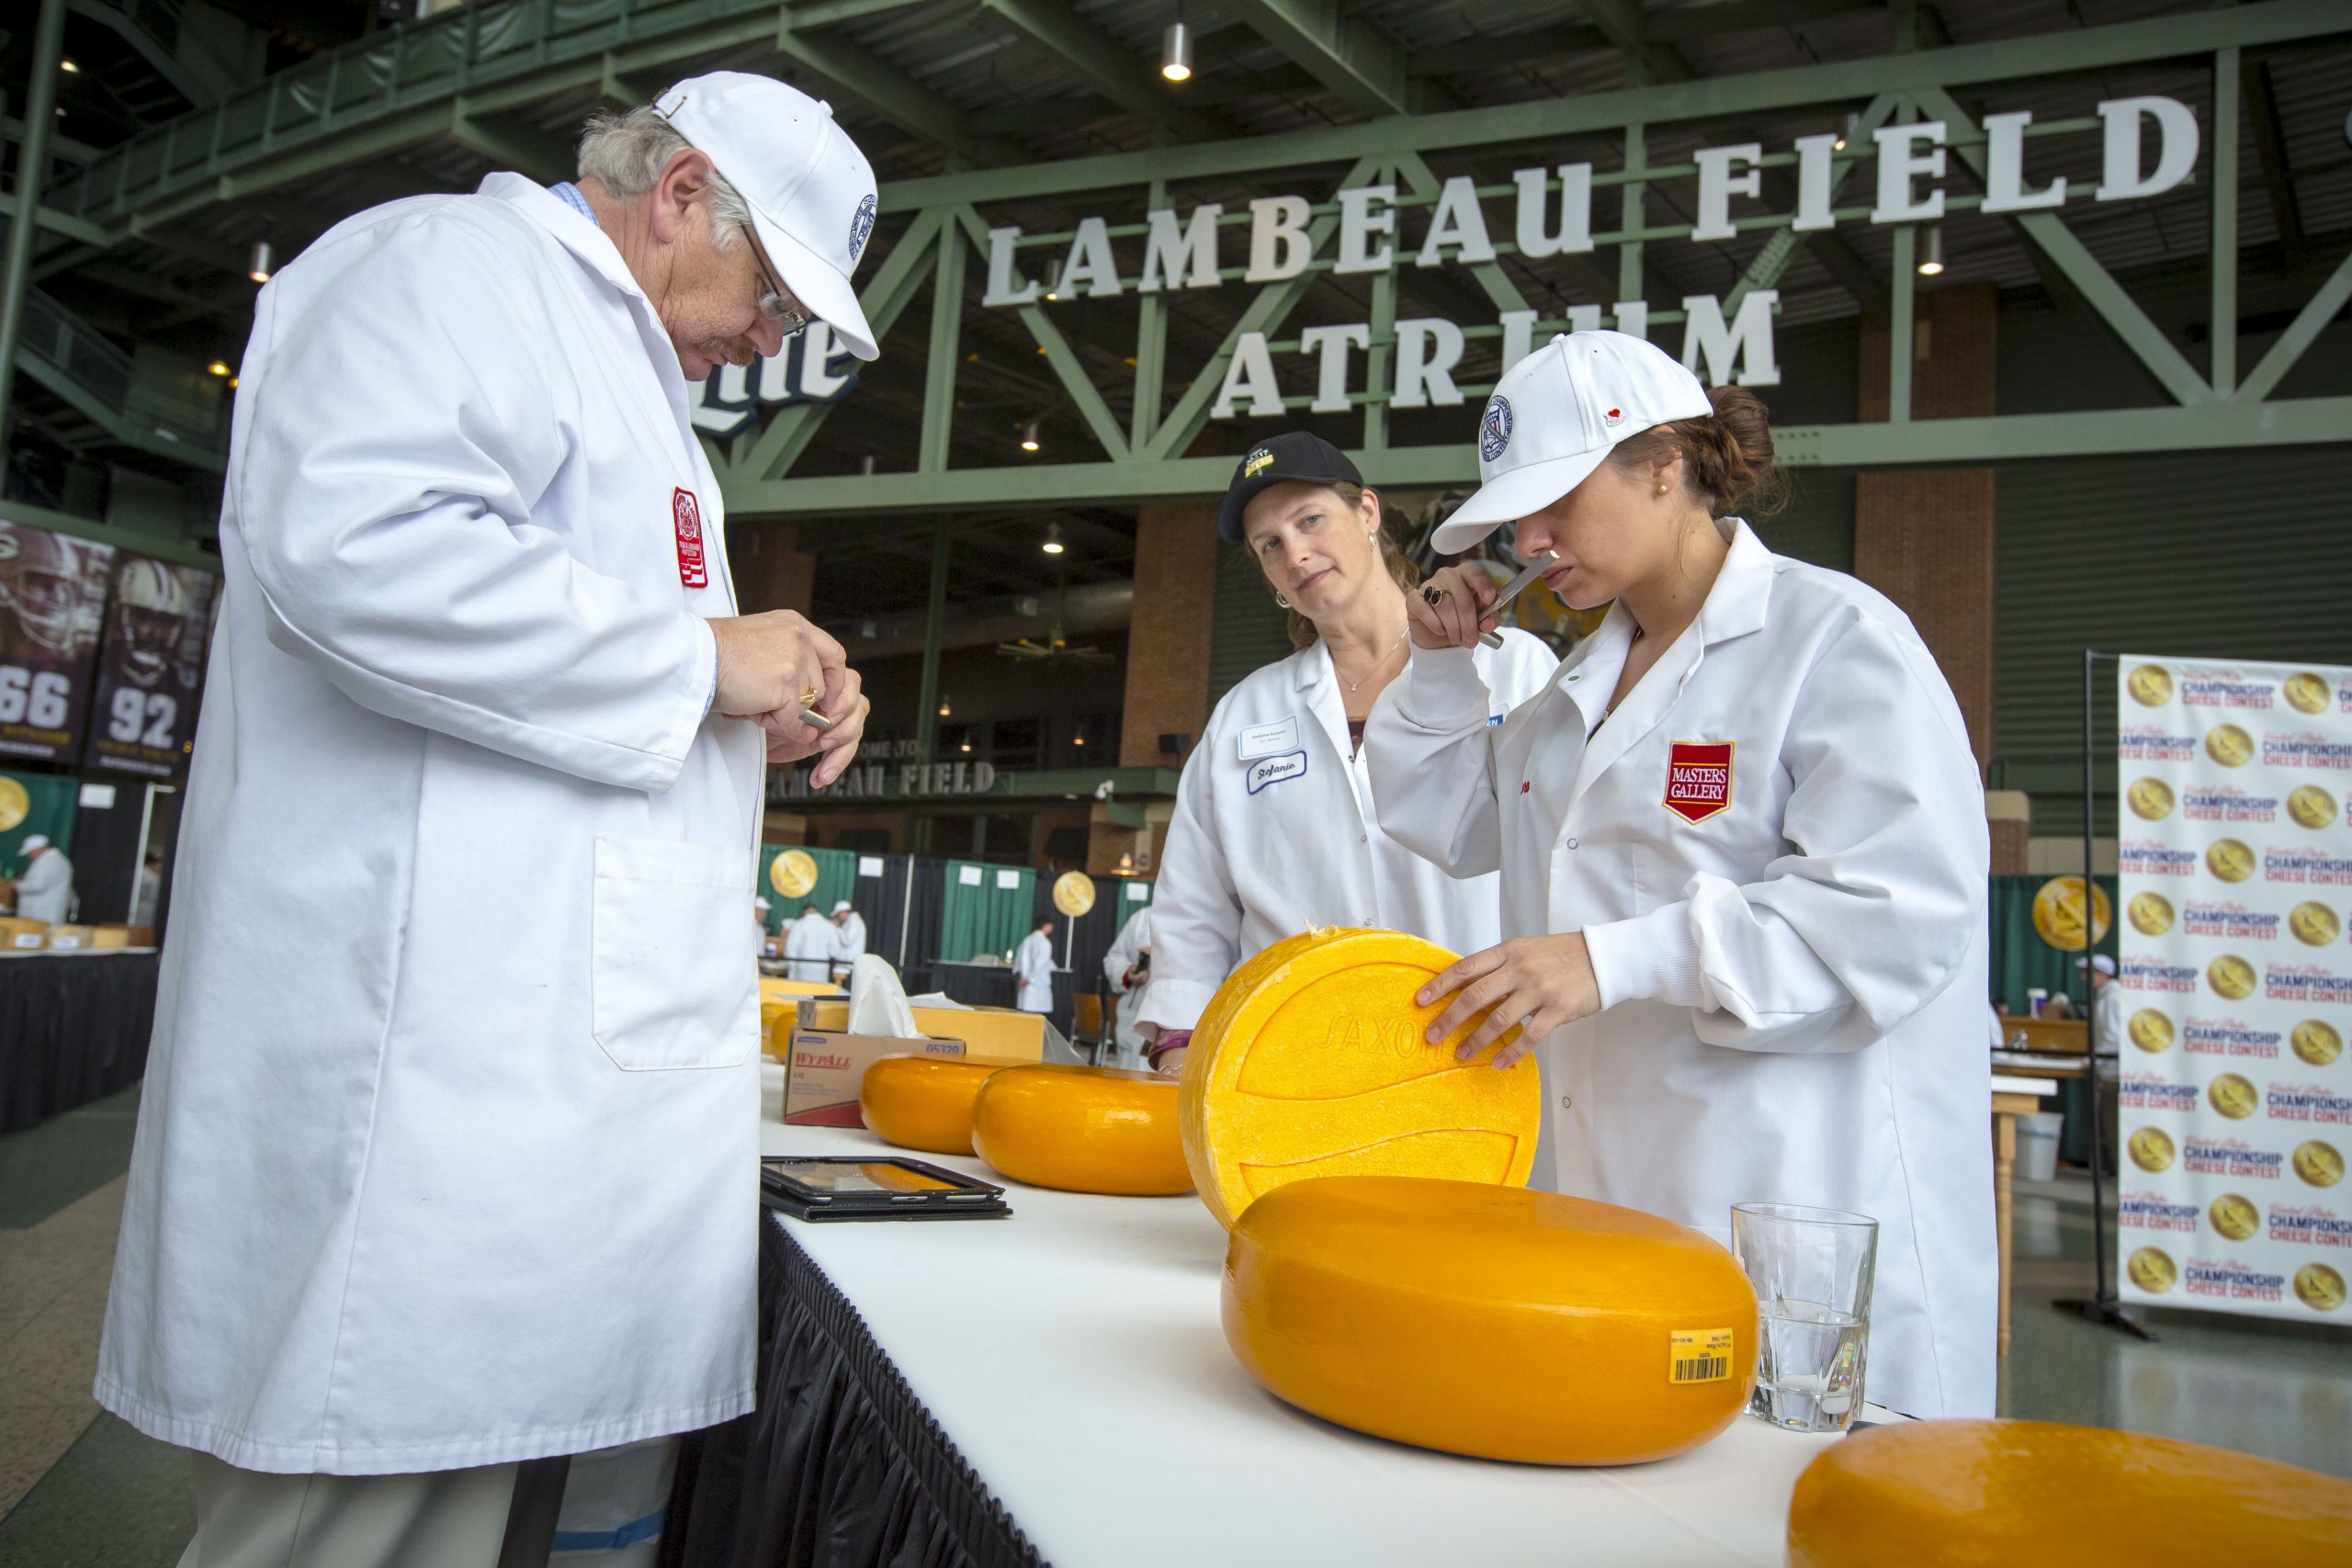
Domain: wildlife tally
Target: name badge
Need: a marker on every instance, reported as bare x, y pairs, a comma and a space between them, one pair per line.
1276, 770
1269, 739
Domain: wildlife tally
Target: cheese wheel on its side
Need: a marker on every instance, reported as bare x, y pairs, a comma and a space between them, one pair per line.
1976, 1491
1490, 1320
1082, 1130
1311, 1062
925, 1102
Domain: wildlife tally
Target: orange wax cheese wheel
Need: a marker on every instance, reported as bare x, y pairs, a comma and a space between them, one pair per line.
1311, 1062
1082, 1129
925, 1102
1490, 1320
1947, 1493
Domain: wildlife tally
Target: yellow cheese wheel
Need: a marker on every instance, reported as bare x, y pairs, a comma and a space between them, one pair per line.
1082, 1129
1490, 1320
1311, 1062
1978, 1492
925, 1102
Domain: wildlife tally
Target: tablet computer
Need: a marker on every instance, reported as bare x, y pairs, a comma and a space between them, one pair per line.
855, 1187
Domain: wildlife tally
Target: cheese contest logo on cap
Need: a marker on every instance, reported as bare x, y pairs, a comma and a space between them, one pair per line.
1555, 417
811, 190
1295, 457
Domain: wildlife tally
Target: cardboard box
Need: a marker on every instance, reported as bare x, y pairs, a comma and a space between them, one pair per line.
112, 935
825, 1068
18, 936
1000, 1032
67, 938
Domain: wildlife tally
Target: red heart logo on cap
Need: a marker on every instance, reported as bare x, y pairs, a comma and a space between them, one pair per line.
1616, 413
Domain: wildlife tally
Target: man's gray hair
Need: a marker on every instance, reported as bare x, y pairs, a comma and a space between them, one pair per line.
626, 152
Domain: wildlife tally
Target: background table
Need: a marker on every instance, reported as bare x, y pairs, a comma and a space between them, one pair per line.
991, 986
74, 1027
1055, 1388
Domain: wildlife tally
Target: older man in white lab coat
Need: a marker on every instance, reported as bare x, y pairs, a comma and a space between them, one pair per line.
808, 945
443, 1166
45, 892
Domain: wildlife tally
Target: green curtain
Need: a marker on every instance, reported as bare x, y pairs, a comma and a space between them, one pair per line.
836, 878
984, 917
2020, 958
48, 803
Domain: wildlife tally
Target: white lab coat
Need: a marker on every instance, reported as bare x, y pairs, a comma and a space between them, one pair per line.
46, 890
1795, 988
1134, 940
1258, 848
808, 944
849, 939
445, 1158
1033, 973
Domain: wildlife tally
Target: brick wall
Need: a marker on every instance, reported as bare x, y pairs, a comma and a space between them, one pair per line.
1167, 639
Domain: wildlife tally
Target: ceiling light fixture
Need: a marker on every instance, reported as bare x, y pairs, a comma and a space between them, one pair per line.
1029, 436
69, 67
1078, 740
1932, 252
219, 368
946, 710
262, 262
1053, 545
1176, 52
1853, 123
966, 747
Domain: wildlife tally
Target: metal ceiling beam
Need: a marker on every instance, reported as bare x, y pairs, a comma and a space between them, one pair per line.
1363, 66
1101, 62
511, 142
889, 93
1622, 22
2270, 150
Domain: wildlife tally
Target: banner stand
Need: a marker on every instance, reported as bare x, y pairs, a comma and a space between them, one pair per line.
2104, 1306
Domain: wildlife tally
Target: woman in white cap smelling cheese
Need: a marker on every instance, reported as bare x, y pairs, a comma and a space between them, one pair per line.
1258, 848
1743, 852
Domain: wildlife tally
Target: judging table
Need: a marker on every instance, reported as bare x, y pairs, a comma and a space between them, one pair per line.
991, 986
74, 1027
1055, 1388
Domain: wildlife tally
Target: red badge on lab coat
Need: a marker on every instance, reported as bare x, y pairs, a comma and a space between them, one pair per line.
687, 513
1698, 779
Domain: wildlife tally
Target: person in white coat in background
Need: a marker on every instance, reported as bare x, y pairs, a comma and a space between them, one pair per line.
849, 937
442, 1164
45, 892
1274, 829
1127, 969
1033, 970
808, 944
1743, 850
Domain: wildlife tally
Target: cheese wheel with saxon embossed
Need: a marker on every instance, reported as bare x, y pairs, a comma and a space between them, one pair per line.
1973, 1492
1490, 1320
1311, 1062
1082, 1130
925, 1102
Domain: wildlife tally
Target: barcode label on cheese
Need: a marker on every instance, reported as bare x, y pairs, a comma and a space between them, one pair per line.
1698, 1355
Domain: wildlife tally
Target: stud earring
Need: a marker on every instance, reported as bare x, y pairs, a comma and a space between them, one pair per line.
1661, 489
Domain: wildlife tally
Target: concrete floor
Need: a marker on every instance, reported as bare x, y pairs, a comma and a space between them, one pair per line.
78, 1489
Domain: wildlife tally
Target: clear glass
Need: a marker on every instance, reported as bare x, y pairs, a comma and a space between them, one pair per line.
1812, 1271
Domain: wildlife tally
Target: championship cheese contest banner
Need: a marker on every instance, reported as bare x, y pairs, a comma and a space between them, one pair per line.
151, 666
2235, 880
53, 600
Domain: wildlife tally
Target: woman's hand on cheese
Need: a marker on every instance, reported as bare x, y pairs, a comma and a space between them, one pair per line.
1540, 982
1448, 610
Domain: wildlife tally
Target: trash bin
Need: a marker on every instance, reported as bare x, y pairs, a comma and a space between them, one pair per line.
2037, 1133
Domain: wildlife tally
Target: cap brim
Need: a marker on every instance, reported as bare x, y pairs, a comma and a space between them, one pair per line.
1238, 499
815, 282
1509, 497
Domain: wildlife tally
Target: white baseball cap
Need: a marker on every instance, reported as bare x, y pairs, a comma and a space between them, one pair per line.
759, 903
32, 841
842, 908
2100, 961
811, 190
1556, 414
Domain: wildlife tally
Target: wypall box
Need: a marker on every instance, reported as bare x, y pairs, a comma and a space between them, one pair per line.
825, 1066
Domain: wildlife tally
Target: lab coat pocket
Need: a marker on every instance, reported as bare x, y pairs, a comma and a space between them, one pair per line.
672, 979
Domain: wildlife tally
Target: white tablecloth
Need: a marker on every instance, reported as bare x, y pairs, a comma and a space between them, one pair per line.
1073, 1354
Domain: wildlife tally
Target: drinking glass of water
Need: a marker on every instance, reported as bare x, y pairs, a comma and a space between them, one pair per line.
1812, 1271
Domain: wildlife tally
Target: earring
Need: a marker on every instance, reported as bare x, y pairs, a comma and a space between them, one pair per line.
1280, 599
1661, 489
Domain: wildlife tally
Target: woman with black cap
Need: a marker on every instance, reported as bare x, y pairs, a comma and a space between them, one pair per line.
1260, 847
1742, 844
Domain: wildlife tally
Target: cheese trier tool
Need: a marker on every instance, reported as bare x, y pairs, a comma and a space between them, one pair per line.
1542, 563
812, 717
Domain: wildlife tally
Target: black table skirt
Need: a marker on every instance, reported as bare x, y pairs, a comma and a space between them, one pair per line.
840, 1466
73, 1029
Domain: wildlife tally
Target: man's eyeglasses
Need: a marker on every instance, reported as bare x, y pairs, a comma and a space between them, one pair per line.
777, 304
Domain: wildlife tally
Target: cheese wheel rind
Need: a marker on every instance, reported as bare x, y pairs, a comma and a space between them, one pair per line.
925, 1102
1981, 1491
1082, 1130
1488, 1320
1311, 1062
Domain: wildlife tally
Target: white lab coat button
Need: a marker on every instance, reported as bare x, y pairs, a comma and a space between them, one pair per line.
1567, 1102
1572, 843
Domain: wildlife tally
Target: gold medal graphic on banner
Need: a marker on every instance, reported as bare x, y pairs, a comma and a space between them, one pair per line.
2151, 1031
2233, 1216
2058, 913
2319, 1163
2315, 924
2312, 806
16, 804
2151, 799
2319, 1287
2306, 693
2230, 860
2151, 913
1073, 893
2149, 685
793, 873
2231, 976
2233, 1096
2152, 1269
2229, 745
2151, 1148
2316, 1041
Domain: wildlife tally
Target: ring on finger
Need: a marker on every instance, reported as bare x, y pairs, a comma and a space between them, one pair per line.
1433, 597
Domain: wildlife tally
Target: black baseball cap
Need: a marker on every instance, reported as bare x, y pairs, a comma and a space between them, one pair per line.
1293, 457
